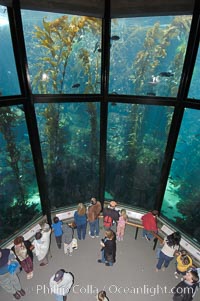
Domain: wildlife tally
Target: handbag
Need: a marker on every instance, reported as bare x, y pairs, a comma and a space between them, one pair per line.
14, 267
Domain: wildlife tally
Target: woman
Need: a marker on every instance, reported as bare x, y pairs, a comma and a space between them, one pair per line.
80, 219
170, 248
108, 251
23, 252
9, 282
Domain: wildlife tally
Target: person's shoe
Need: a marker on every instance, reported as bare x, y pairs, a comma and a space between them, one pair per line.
17, 295
176, 275
22, 292
29, 275
147, 238
99, 261
107, 264
42, 264
97, 236
163, 269
157, 270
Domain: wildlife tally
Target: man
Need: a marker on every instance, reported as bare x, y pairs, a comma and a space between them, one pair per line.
60, 284
93, 217
184, 291
110, 216
149, 223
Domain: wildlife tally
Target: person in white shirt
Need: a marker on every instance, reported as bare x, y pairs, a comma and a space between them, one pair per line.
170, 248
60, 284
41, 244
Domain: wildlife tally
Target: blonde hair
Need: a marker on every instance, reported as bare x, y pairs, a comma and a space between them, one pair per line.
109, 234
123, 214
101, 295
81, 209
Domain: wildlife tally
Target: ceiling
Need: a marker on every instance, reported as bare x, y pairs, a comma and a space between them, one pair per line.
119, 8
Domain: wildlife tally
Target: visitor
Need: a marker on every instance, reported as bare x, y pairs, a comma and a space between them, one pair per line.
108, 250
121, 224
110, 216
57, 228
23, 251
184, 261
170, 248
60, 284
42, 244
93, 217
149, 222
9, 282
102, 296
185, 290
67, 238
80, 219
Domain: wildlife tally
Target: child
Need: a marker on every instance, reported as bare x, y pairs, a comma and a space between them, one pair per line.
184, 261
108, 251
57, 227
185, 289
121, 224
102, 296
68, 234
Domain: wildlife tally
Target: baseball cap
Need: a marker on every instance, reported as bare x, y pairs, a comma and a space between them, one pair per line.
58, 275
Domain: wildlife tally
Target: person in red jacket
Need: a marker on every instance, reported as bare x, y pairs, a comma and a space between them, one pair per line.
149, 223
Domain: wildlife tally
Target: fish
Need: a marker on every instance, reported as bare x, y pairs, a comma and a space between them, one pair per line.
151, 94
76, 86
97, 45
155, 80
166, 74
115, 38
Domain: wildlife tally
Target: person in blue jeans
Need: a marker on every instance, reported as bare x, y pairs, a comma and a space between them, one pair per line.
57, 228
170, 248
60, 284
108, 251
80, 219
93, 217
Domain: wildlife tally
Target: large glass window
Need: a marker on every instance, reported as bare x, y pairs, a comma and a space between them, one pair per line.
69, 135
136, 142
194, 91
9, 84
182, 197
147, 55
59, 59
20, 203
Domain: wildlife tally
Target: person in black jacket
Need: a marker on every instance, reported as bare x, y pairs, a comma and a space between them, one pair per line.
184, 291
108, 251
110, 216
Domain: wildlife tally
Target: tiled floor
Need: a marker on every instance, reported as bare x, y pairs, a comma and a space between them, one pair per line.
133, 276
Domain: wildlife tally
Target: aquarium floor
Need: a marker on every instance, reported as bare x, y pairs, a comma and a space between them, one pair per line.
132, 277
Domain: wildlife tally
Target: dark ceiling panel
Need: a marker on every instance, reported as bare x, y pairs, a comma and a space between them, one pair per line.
119, 8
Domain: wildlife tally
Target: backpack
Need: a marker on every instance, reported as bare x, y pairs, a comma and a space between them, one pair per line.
107, 221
